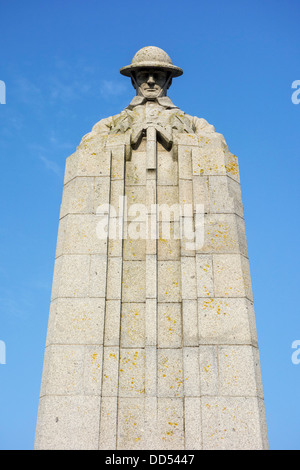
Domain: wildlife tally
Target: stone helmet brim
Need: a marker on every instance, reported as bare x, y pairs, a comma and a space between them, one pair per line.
151, 57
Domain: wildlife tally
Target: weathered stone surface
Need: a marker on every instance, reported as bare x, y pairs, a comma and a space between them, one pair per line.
169, 325
110, 376
78, 196
239, 371
60, 414
169, 281
132, 372
108, 423
134, 281
78, 235
232, 276
133, 319
71, 276
170, 373
192, 423
170, 424
232, 423
205, 281
97, 275
131, 423
76, 321
226, 321
112, 322
208, 361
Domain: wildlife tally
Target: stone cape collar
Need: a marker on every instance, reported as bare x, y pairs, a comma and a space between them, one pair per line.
164, 101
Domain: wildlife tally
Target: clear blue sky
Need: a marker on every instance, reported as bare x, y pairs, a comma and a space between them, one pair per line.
60, 62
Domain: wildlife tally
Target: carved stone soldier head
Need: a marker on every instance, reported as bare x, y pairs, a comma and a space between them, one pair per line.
151, 71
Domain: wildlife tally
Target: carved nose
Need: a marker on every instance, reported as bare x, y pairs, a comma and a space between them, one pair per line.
151, 80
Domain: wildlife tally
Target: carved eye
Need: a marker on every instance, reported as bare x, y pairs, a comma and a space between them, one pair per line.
142, 76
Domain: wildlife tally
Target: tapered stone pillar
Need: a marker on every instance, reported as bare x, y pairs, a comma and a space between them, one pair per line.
151, 341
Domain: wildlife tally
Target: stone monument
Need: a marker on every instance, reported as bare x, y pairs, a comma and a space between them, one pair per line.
151, 340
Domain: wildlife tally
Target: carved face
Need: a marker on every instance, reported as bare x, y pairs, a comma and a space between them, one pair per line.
151, 83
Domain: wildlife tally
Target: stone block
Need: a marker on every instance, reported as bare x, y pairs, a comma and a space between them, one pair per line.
168, 244
191, 367
188, 278
151, 197
167, 169
116, 197
170, 373
190, 336
136, 169
168, 205
192, 423
114, 278
78, 234
185, 188
224, 233
169, 281
208, 360
239, 371
115, 243
169, 325
131, 424
232, 423
225, 195
151, 322
76, 321
150, 371
67, 369
204, 270
232, 165
118, 163
102, 191
112, 322
226, 321
133, 325
185, 162
70, 277
136, 203
87, 163
78, 196
151, 277
68, 423
108, 423
135, 244
134, 281
208, 162
97, 269
201, 192
170, 424
110, 378
191, 236
132, 372
92, 374
232, 276
151, 436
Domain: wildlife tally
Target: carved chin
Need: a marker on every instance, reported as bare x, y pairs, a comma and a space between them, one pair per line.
151, 94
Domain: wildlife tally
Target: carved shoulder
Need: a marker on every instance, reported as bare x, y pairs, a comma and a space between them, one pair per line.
205, 130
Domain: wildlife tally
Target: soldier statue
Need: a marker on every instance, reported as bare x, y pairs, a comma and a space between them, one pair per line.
151, 72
